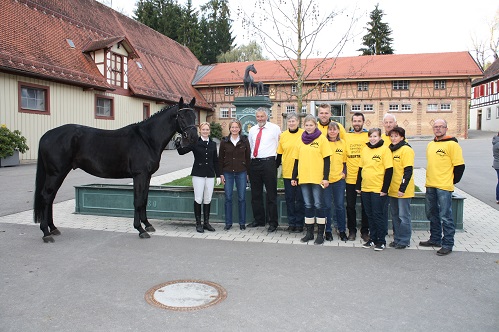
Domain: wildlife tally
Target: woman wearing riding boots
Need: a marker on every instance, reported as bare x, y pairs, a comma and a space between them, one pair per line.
294, 198
336, 189
234, 162
311, 169
204, 170
373, 180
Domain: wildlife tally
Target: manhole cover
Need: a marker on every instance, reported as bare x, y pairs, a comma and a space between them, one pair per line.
185, 295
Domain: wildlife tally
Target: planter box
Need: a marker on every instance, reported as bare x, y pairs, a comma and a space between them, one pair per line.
169, 202
11, 160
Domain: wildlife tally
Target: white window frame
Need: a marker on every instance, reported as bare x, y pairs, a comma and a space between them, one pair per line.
394, 107
368, 107
293, 88
432, 107
356, 108
328, 87
445, 107
405, 107
232, 112
488, 113
224, 112
229, 91
400, 85
497, 112
439, 84
290, 108
362, 86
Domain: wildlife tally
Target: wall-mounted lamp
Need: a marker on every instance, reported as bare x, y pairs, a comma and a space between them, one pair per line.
419, 103
381, 103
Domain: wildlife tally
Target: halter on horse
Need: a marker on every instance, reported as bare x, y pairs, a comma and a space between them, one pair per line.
133, 151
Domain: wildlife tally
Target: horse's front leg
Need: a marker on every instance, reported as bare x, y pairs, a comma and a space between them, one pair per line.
140, 193
143, 212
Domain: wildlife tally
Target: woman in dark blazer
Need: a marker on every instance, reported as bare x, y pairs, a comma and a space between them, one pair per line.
234, 162
204, 170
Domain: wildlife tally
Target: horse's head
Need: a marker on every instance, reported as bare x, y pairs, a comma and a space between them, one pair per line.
186, 122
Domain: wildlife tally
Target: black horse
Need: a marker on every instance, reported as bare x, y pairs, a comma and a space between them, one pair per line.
133, 151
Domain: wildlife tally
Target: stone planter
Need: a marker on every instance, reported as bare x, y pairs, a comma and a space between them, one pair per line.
11, 160
169, 202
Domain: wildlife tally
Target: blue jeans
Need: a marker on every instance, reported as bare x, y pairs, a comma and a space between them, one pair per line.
294, 204
335, 192
378, 225
401, 220
497, 186
313, 198
439, 213
240, 179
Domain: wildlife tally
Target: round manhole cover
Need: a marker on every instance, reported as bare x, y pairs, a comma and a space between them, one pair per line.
185, 295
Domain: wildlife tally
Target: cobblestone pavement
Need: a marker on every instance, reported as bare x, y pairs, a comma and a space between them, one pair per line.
480, 233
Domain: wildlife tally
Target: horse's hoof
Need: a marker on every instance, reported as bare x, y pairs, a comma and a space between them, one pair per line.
144, 235
48, 239
55, 232
150, 229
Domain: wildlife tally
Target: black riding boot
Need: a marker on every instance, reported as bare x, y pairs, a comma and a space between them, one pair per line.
197, 215
310, 233
206, 213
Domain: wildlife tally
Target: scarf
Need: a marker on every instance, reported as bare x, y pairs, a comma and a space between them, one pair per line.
309, 138
398, 145
377, 145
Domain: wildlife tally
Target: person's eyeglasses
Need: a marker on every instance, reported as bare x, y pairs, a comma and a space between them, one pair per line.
439, 127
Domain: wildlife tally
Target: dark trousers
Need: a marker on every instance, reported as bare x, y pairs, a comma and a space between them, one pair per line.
351, 196
264, 173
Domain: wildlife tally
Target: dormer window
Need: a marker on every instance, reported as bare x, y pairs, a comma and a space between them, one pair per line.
111, 56
115, 69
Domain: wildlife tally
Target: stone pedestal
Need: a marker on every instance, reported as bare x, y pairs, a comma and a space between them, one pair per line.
246, 107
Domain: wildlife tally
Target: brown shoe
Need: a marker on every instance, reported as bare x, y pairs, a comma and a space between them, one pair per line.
365, 237
352, 236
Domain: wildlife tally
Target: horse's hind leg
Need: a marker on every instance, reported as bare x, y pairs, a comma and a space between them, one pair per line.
49, 191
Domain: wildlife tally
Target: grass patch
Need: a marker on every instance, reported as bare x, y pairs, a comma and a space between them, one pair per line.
187, 182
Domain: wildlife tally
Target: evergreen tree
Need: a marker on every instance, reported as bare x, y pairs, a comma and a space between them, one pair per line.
377, 40
215, 26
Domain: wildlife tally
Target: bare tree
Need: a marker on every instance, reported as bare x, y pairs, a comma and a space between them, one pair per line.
487, 51
289, 31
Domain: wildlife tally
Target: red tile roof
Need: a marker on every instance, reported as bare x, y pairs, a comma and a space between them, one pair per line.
33, 43
376, 67
490, 74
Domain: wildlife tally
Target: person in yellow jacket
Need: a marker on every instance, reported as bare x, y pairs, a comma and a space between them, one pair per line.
373, 180
445, 168
336, 189
401, 188
288, 140
311, 168
355, 141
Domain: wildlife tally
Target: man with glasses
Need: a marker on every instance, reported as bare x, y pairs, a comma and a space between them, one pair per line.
444, 169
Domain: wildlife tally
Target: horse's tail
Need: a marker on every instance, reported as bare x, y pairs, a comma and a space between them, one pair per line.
39, 205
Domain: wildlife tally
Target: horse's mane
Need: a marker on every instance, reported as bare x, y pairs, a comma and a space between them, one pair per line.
163, 110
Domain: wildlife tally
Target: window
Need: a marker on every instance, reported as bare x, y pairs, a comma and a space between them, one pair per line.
439, 84
400, 85
293, 88
497, 112
445, 107
355, 107
489, 113
104, 108
290, 108
406, 107
368, 107
233, 112
146, 110
362, 86
229, 91
328, 87
432, 107
33, 98
224, 112
394, 107
116, 70
304, 109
